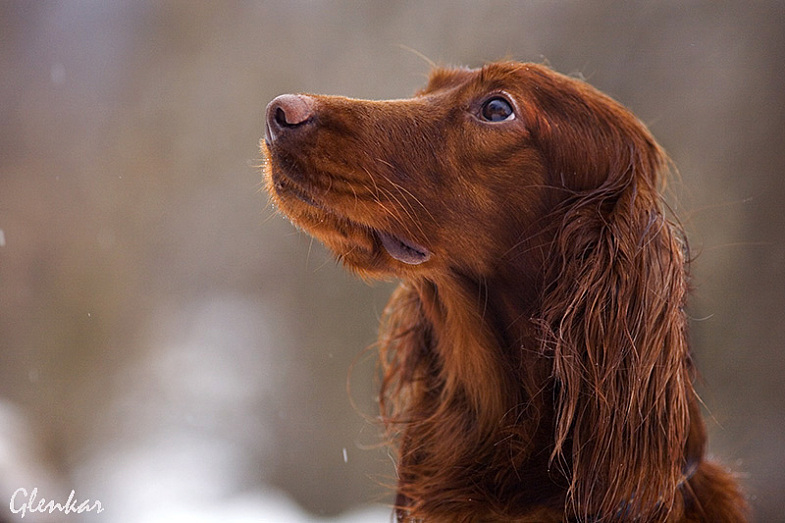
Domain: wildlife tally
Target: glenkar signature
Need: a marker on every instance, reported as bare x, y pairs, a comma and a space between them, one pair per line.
24, 502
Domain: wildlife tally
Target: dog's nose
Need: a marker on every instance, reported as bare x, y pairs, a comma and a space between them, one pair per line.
287, 112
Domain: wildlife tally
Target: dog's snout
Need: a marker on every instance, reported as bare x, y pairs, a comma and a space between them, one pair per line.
286, 113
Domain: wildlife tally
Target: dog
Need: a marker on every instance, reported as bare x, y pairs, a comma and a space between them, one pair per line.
534, 359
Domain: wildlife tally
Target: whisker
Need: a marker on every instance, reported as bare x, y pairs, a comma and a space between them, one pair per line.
410, 214
403, 189
308, 254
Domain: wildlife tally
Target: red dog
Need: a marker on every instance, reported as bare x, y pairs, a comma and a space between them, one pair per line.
535, 359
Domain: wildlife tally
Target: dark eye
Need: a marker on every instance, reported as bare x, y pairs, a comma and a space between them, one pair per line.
497, 110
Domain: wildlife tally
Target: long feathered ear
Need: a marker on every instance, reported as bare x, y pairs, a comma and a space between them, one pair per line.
614, 324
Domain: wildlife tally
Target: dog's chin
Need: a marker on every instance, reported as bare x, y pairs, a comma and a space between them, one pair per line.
365, 249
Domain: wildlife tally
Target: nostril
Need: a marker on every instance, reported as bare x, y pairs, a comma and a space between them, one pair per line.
280, 117
287, 112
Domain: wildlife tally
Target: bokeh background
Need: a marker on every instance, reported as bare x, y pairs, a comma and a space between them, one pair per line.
174, 349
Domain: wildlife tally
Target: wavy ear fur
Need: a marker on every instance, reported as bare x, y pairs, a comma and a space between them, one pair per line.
613, 320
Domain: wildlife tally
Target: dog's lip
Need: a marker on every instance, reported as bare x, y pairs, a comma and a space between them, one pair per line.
402, 249
282, 186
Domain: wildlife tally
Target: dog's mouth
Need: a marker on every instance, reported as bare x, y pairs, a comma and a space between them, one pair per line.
399, 248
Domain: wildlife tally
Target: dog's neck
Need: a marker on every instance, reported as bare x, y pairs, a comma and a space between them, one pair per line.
483, 330
491, 386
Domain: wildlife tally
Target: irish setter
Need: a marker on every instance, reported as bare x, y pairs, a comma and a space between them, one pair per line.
535, 364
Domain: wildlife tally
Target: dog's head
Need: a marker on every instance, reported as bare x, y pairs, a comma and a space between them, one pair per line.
455, 176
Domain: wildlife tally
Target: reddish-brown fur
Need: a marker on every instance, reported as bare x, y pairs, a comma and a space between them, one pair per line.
534, 358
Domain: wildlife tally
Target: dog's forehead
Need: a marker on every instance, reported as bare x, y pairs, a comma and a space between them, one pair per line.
447, 77
492, 75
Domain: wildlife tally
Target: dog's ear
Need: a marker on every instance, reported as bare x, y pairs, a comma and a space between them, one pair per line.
613, 319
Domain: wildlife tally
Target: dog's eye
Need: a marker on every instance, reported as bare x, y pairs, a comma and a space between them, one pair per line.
497, 109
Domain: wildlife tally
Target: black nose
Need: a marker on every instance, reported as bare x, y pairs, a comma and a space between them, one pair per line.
287, 112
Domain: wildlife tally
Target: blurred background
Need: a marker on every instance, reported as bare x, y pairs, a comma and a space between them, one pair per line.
171, 347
